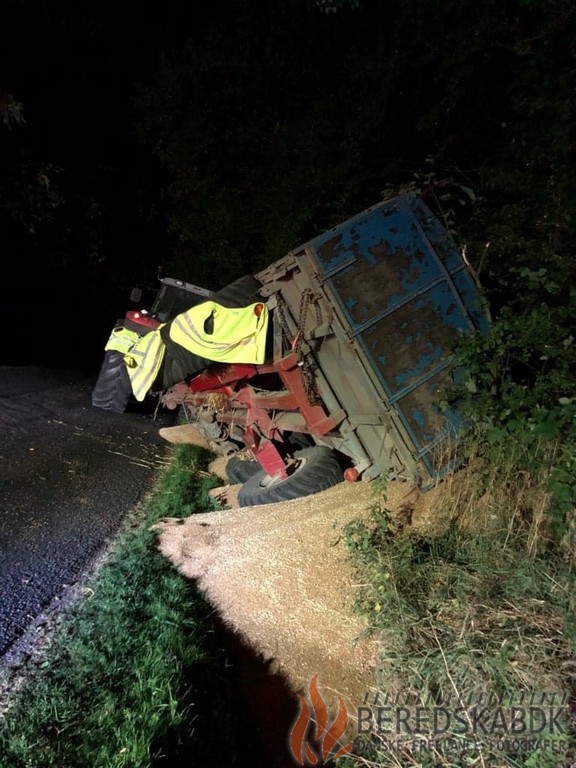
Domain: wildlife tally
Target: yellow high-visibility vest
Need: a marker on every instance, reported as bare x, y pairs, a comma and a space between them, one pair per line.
238, 335
121, 340
143, 362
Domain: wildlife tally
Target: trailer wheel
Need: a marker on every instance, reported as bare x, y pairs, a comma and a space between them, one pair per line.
240, 470
314, 469
112, 390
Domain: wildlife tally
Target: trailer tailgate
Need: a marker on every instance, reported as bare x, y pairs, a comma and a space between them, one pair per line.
404, 293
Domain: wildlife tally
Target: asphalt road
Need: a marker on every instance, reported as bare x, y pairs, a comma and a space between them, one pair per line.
69, 474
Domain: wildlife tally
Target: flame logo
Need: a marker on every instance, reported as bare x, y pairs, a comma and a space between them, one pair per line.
325, 739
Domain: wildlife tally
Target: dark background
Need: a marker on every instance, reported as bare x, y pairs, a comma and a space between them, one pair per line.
212, 138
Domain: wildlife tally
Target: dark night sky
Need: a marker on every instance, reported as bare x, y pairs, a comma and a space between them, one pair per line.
74, 67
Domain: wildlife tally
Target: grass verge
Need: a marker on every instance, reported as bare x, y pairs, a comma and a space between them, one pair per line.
475, 614
135, 676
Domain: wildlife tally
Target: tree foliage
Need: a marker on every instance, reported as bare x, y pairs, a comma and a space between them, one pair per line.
277, 123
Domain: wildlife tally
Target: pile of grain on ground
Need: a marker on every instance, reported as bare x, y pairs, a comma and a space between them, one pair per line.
280, 575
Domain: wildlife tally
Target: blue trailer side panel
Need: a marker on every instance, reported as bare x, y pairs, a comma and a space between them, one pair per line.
406, 294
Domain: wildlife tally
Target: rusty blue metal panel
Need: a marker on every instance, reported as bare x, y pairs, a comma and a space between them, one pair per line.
406, 294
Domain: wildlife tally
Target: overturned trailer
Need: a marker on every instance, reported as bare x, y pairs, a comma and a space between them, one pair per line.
362, 321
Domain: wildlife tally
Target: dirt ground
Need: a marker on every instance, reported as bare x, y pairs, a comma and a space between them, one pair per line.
281, 577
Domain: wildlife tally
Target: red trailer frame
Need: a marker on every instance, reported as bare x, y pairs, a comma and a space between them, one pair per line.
263, 416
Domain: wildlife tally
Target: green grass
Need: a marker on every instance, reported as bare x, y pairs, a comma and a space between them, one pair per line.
136, 676
469, 609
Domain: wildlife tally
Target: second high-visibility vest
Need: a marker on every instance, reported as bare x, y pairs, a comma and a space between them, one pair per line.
143, 362
222, 334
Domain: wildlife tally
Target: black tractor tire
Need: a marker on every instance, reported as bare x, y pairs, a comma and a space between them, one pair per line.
240, 293
315, 469
240, 470
112, 390
179, 363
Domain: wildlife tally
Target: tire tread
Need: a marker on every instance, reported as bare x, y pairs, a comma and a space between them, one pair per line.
321, 471
112, 390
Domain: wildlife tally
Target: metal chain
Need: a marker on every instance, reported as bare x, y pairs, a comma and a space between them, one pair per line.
309, 381
282, 316
303, 313
305, 360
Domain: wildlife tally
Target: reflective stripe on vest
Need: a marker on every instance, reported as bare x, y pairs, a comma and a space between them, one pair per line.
239, 335
143, 363
121, 340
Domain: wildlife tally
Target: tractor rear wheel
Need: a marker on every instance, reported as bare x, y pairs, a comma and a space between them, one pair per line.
179, 362
112, 390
